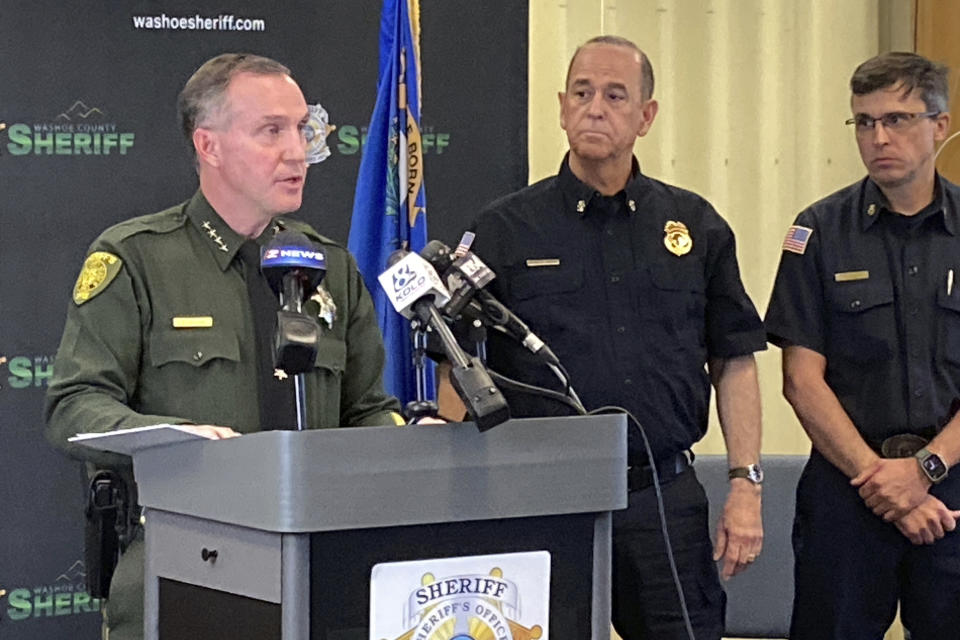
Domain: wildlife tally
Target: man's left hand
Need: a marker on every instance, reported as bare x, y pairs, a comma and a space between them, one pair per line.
740, 528
892, 488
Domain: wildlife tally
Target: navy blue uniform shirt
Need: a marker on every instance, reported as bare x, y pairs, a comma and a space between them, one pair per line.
874, 293
633, 321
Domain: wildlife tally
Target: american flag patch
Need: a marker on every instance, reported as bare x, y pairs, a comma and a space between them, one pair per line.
797, 238
466, 241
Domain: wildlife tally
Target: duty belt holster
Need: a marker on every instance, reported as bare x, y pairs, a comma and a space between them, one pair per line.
107, 530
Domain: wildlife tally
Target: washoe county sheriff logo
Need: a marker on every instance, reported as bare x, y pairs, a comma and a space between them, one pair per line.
316, 131
466, 607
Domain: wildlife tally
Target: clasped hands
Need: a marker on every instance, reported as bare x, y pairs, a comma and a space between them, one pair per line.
896, 490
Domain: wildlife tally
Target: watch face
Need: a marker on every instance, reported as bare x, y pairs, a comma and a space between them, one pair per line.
934, 466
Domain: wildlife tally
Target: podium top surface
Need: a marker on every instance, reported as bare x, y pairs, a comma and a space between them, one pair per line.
331, 479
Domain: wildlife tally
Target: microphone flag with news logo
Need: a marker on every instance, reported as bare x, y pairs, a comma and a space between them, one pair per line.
410, 279
291, 254
389, 208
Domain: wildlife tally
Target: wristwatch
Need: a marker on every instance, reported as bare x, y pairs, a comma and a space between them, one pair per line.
751, 472
931, 465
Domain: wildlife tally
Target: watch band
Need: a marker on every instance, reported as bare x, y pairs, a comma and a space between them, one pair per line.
932, 465
751, 472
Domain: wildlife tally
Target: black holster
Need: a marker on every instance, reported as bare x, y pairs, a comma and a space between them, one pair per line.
106, 530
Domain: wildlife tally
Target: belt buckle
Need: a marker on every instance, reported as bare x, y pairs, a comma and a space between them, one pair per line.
902, 445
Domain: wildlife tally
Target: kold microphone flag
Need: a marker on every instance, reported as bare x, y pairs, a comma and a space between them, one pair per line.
389, 208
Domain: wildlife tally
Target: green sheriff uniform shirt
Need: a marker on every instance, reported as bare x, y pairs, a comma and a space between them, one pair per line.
160, 330
124, 361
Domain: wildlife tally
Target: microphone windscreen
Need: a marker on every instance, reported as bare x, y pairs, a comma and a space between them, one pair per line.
438, 255
292, 251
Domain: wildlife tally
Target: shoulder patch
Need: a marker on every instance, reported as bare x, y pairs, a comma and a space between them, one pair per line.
99, 270
797, 238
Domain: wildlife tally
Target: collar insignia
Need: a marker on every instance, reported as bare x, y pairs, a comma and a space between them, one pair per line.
216, 236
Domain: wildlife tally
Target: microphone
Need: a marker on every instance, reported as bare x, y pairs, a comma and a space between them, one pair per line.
416, 291
294, 267
410, 279
467, 276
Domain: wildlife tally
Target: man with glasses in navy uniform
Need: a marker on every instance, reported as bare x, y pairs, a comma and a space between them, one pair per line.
867, 312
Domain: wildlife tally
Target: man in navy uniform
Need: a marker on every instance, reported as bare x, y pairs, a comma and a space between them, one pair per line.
867, 312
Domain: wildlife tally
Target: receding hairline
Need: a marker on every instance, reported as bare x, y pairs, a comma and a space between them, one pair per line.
646, 69
204, 94
223, 111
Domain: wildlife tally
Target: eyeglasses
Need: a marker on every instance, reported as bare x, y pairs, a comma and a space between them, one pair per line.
894, 121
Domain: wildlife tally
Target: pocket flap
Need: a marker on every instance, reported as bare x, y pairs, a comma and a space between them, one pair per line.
543, 281
193, 346
680, 277
854, 297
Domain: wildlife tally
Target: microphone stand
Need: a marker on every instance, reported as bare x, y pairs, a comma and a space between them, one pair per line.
296, 345
470, 379
421, 407
419, 337
300, 389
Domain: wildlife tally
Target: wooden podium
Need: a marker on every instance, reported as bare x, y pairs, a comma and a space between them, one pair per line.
273, 534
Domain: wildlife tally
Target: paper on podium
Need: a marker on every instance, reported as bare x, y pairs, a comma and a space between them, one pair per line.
129, 441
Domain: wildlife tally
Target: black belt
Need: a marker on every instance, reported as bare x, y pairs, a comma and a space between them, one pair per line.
641, 477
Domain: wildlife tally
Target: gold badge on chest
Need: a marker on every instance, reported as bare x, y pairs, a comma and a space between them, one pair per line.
676, 238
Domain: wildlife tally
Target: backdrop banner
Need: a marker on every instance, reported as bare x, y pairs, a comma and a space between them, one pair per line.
89, 137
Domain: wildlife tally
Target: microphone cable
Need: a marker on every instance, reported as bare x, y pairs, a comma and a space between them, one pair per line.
523, 387
660, 511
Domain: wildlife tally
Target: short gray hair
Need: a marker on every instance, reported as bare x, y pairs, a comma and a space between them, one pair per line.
205, 91
646, 69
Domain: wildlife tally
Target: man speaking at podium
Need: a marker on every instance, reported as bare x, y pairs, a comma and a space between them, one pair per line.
635, 286
172, 321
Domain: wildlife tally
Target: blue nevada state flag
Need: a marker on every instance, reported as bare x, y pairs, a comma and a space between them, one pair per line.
389, 208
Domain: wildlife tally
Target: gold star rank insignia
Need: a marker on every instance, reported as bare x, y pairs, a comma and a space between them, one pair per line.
280, 374
677, 238
99, 270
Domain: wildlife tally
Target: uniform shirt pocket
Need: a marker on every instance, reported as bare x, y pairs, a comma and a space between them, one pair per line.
331, 354
948, 307
863, 320
549, 299
327, 380
197, 374
677, 299
195, 347
536, 282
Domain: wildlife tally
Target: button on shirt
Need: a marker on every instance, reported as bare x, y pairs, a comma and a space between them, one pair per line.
874, 294
633, 322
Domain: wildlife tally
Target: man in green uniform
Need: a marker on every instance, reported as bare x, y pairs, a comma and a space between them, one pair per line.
165, 324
